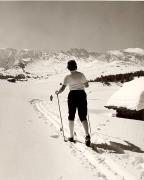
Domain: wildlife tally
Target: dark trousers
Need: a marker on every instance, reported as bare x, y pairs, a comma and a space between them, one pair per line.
77, 99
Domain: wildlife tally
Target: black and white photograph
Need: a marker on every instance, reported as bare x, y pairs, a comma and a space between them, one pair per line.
71, 90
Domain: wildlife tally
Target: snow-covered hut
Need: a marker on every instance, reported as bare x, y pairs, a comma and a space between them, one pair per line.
128, 101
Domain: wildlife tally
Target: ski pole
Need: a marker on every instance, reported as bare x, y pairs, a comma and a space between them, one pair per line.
89, 123
61, 118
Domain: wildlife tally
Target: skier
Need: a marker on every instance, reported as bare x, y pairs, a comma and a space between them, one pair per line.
77, 99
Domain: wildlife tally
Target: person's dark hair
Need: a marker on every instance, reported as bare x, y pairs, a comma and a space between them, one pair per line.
72, 65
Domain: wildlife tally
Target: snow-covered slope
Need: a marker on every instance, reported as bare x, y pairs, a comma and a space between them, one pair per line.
29, 145
135, 51
120, 141
42, 63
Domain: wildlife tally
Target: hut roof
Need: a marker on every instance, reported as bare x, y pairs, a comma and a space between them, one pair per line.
130, 96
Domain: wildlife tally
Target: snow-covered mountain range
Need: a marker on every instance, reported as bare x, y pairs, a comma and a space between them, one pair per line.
15, 61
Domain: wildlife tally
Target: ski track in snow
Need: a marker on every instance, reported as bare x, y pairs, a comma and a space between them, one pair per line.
108, 168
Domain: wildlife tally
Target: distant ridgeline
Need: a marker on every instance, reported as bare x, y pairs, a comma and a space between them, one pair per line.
118, 77
23, 64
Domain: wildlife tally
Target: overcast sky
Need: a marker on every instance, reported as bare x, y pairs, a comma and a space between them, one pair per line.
96, 26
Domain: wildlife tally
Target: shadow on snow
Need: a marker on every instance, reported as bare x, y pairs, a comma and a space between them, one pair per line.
117, 148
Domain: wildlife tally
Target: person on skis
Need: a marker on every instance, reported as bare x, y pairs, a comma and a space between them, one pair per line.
77, 99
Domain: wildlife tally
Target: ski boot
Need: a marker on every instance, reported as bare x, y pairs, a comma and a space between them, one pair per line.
88, 140
71, 139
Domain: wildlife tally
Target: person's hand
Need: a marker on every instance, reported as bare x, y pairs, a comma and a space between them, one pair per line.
57, 92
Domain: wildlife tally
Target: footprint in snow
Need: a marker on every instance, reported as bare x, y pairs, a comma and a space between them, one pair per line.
30, 121
59, 178
55, 136
102, 125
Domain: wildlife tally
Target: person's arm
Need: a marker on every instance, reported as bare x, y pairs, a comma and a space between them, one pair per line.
60, 90
85, 81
